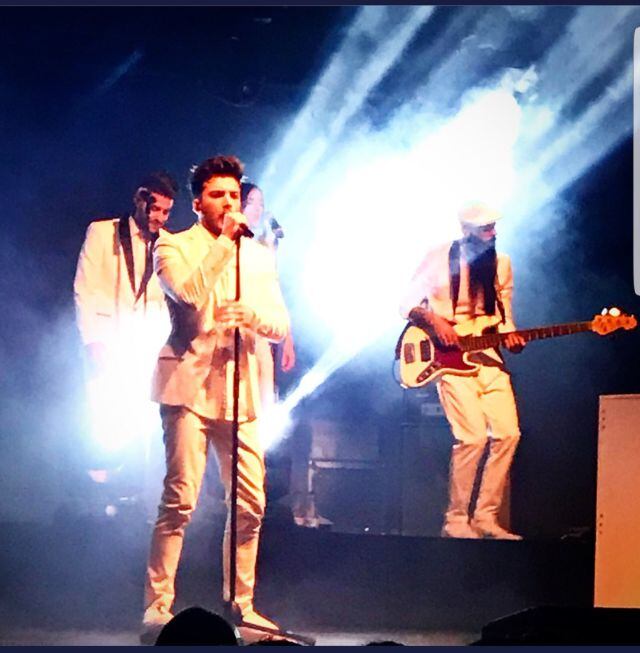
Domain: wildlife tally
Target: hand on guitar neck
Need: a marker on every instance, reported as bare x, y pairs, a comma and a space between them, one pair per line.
514, 342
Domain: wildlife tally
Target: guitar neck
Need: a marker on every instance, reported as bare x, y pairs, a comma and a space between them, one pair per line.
489, 340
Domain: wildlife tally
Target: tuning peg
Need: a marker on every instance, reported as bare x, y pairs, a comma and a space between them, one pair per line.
615, 312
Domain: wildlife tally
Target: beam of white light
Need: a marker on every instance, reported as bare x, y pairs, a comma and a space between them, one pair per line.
580, 146
119, 72
355, 295
589, 46
120, 415
374, 42
277, 421
385, 196
491, 33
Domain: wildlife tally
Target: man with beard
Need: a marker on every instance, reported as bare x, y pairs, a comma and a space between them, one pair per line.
114, 275
123, 320
467, 285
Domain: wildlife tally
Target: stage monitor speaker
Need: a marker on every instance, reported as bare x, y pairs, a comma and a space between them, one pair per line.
564, 625
424, 482
617, 559
350, 495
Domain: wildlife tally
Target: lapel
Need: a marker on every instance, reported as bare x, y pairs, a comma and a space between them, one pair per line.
124, 236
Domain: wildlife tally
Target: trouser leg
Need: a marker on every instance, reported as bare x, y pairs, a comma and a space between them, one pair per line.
460, 398
499, 405
251, 505
494, 479
462, 474
186, 454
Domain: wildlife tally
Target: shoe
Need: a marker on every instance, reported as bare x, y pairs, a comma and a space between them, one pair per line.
493, 531
152, 623
253, 618
459, 530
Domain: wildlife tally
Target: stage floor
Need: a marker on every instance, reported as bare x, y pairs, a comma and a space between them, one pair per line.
79, 581
37, 637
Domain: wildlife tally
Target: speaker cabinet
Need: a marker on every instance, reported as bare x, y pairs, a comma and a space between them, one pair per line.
564, 625
425, 469
617, 559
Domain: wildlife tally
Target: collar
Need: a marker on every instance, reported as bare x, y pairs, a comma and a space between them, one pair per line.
135, 231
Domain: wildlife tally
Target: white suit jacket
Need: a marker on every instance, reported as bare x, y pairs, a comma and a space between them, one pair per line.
431, 285
103, 295
197, 272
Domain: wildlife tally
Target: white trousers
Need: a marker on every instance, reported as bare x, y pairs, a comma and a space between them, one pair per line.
479, 408
187, 437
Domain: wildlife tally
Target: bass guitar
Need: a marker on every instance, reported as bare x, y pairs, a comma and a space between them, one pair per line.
422, 359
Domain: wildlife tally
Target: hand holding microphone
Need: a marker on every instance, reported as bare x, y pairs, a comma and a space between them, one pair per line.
235, 225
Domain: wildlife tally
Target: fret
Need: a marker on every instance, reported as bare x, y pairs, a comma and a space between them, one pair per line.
488, 340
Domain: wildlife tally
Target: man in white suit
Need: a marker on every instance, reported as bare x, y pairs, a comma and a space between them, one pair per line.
466, 284
193, 381
123, 320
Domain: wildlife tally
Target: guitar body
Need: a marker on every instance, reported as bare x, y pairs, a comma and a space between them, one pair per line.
423, 361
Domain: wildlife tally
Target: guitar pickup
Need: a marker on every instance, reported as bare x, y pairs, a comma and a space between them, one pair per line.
409, 353
425, 350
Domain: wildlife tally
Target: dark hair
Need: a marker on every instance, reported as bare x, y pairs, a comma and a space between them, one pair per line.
160, 182
482, 279
196, 626
221, 166
245, 188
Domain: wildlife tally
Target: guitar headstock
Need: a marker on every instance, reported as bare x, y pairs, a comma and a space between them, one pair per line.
612, 319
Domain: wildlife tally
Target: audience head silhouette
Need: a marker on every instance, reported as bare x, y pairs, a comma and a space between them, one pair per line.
196, 626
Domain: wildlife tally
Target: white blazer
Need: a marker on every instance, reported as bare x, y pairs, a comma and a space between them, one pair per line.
103, 295
197, 272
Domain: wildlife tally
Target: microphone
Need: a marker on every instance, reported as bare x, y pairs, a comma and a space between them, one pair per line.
277, 229
245, 231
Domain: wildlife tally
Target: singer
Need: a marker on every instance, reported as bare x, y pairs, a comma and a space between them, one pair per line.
268, 233
193, 380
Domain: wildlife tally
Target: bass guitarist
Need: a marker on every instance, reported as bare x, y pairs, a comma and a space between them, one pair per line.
463, 287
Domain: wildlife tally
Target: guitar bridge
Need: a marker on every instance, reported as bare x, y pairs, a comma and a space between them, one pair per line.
428, 371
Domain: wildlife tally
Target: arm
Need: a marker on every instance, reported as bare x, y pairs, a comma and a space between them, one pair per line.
514, 343
415, 307
288, 358
434, 324
271, 318
89, 296
189, 280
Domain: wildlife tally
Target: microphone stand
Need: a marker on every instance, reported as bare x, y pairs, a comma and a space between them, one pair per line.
231, 609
